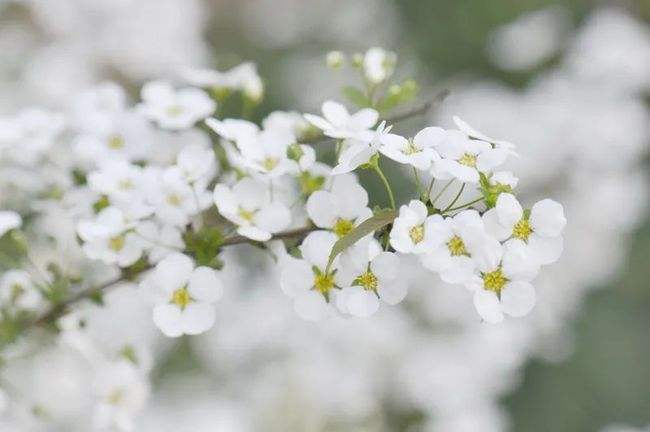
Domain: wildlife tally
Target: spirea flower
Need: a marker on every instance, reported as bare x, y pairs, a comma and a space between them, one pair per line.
337, 122
18, 290
413, 231
540, 228
249, 206
184, 295
419, 152
174, 109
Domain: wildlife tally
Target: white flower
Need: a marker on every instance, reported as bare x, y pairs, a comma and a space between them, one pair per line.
540, 229
174, 109
9, 220
196, 162
376, 278
121, 391
266, 152
290, 122
184, 295
454, 241
339, 123
119, 180
306, 281
473, 133
412, 230
341, 208
418, 152
502, 282
28, 135
464, 158
504, 178
122, 136
18, 289
358, 151
96, 107
243, 77
109, 238
174, 199
378, 64
249, 206
233, 129
159, 241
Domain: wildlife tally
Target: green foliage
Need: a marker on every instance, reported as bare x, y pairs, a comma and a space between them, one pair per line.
398, 94
56, 291
379, 220
204, 245
491, 192
357, 97
310, 183
101, 204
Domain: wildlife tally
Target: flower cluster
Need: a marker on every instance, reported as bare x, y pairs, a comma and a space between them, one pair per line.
160, 187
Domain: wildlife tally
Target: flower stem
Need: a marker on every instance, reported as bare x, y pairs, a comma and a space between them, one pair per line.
418, 183
383, 178
464, 205
460, 191
442, 191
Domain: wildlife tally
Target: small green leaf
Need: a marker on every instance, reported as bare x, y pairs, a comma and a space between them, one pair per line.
204, 246
398, 94
379, 220
101, 204
357, 97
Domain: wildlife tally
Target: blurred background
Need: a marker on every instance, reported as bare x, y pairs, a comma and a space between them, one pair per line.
567, 81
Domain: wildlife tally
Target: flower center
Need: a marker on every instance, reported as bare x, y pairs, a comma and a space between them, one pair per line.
368, 281
417, 234
494, 281
342, 227
116, 243
411, 148
247, 215
324, 283
115, 142
125, 184
115, 397
269, 163
456, 246
174, 200
181, 298
522, 230
174, 110
468, 160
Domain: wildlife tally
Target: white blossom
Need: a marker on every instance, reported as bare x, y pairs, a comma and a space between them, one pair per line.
418, 152
174, 109
413, 230
184, 295
339, 123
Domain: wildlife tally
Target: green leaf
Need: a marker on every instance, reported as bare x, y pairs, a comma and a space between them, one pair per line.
398, 94
204, 246
101, 204
379, 220
357, 97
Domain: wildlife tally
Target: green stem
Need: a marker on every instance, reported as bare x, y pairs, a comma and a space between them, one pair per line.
433, 181
460, 191
386, 185
464, 205
442, 191
417, 182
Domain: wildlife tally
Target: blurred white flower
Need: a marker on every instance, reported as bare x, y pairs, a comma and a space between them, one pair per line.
196, 162
378, 65
17, 289
9, 220
248, 205
174, 109
184, 295
418, 152
339, 123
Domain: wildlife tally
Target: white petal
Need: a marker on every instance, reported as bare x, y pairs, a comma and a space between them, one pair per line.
487, 305
547, 218
167, 318
335, 113
197, 318
518, 261
509, 210
546, 250
204, 285
487, 253
174, 271
254, 233
490, 159
493, 225
8, 221
296, 277
430, 137
319, 122
392, 292
518, 298
322, 209
420, 209
362, 303
311, 306
365, 118
273, 218
316, 248
437, 259
385, 266
460, 270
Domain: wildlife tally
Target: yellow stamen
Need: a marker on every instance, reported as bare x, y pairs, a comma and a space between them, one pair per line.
174, 200
468, 160
115, 397
269, 163
494, 281
246, 214
368, 281
411, 148
323, 283
522, 230
456, 246
115, 142
417, 234
174, 111
181, 297
342, 227
116, 243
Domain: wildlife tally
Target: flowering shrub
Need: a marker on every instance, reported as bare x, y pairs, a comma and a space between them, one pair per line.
164, 218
